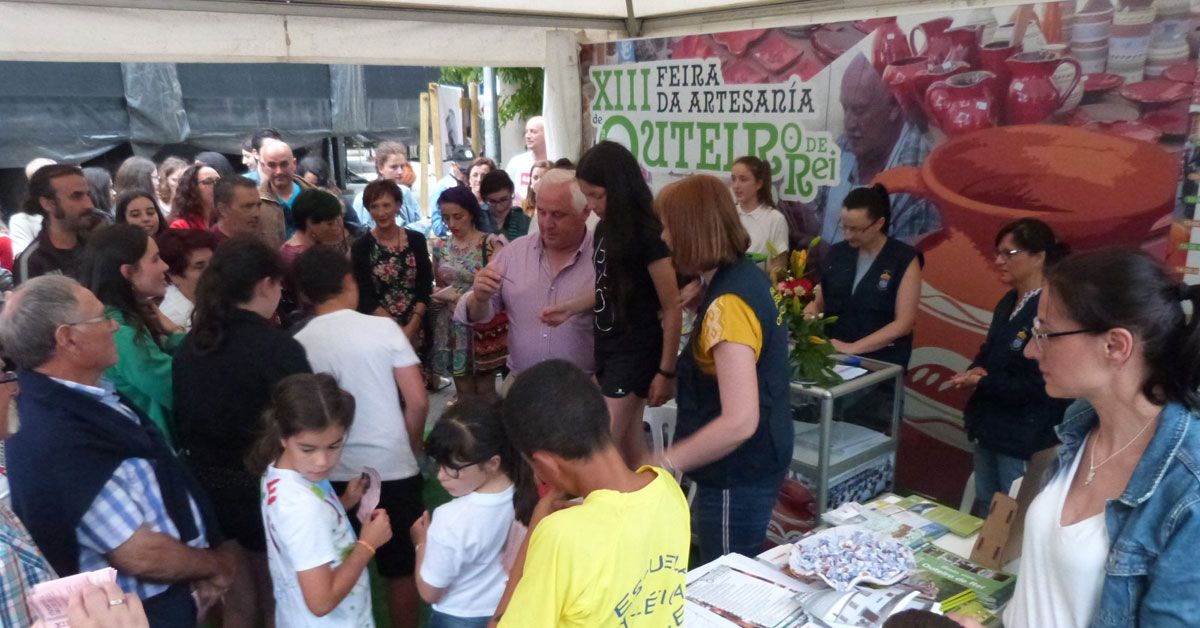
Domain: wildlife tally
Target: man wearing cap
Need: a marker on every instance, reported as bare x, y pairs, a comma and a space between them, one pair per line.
458, 163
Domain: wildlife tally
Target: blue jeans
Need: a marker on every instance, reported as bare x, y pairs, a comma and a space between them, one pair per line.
442, 620
994, 473
734, 519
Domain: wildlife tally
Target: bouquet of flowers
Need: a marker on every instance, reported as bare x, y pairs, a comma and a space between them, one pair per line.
811, 353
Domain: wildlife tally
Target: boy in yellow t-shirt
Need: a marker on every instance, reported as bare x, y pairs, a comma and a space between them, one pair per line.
620, 557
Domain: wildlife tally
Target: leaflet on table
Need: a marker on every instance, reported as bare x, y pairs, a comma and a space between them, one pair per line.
958, 522
48, 600
746, 592
860, 608
906, 527
848, 372
992, 588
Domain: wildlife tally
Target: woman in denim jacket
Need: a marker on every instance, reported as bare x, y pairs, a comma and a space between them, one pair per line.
1113, 538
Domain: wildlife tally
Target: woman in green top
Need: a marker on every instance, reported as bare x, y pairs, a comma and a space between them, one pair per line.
122, 268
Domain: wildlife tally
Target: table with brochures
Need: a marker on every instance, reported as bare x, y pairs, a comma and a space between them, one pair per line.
737, 590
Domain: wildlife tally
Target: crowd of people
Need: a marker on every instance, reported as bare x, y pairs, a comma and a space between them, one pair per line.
222, 384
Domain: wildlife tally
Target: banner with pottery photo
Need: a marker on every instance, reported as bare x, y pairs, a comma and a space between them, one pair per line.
1074, 113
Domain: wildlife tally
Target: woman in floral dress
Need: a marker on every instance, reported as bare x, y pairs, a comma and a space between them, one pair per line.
456, 259
391, 264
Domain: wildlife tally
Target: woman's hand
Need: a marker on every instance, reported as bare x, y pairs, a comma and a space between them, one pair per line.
967, 379
447, 295
846, 348
662, 390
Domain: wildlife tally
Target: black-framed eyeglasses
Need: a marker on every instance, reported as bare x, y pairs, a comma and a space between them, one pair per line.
8, 377
453, 471
499, 201
1008, 253
1040, 335
857, 230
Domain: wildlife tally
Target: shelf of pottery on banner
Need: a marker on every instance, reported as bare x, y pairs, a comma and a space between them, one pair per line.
847, 434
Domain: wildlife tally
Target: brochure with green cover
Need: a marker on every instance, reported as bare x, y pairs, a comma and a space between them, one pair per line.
959, 523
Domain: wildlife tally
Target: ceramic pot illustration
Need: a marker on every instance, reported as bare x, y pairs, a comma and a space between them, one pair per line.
1092, 188
963, 103
890, 45
901, 77
932, 35
1032, 95
964, 44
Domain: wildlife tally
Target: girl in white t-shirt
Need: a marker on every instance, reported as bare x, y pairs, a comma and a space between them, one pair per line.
318, 568
463, 555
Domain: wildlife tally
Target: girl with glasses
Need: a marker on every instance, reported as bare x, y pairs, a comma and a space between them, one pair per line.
461, 549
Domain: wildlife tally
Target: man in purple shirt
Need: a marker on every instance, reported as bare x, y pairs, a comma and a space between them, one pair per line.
545, 281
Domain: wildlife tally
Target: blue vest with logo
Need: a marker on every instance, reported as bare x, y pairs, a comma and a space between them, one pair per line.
866, 309
769, 451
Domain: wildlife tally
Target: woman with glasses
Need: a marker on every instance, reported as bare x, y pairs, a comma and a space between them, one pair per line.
1111, 539
192, 207
870, 282
122, 268
1009, 416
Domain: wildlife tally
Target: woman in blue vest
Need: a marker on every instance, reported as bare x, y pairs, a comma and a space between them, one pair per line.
734, 433
1010, 417
870, 282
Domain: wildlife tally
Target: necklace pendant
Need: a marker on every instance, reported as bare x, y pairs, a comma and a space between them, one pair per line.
1091, 475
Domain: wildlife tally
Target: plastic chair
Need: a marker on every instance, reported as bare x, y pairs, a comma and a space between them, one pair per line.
661, 423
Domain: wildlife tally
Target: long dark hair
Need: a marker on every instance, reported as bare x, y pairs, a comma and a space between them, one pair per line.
472, 432
628, 211
1035, 236
462, 196
132, 195
1128, 288
304, 402
187, 203
237, 265
107, 250
875, 200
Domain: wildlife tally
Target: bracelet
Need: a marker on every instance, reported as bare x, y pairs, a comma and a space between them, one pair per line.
366, 545
670, 465
667, 374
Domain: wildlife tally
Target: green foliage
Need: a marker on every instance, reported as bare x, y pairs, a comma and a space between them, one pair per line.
525, 102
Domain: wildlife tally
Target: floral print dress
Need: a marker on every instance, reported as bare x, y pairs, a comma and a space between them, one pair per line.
456, 267
394, 274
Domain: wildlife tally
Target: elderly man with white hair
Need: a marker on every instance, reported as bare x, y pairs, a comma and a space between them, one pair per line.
94, 481
545, 282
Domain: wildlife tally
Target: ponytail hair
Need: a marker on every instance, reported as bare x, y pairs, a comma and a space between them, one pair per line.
299, 403
471, 432
1128, 288
761, 171
875, 200
237, 265
1035, 236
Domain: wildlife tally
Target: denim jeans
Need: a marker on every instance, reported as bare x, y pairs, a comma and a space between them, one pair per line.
442, 620
734, 519
994, 473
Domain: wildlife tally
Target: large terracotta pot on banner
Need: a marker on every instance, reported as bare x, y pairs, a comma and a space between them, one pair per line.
1092, 188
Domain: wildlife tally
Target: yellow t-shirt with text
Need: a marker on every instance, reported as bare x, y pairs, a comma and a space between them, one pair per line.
728, 319
617, 559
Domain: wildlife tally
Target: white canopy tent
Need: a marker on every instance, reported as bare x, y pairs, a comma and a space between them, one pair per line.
498, 33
